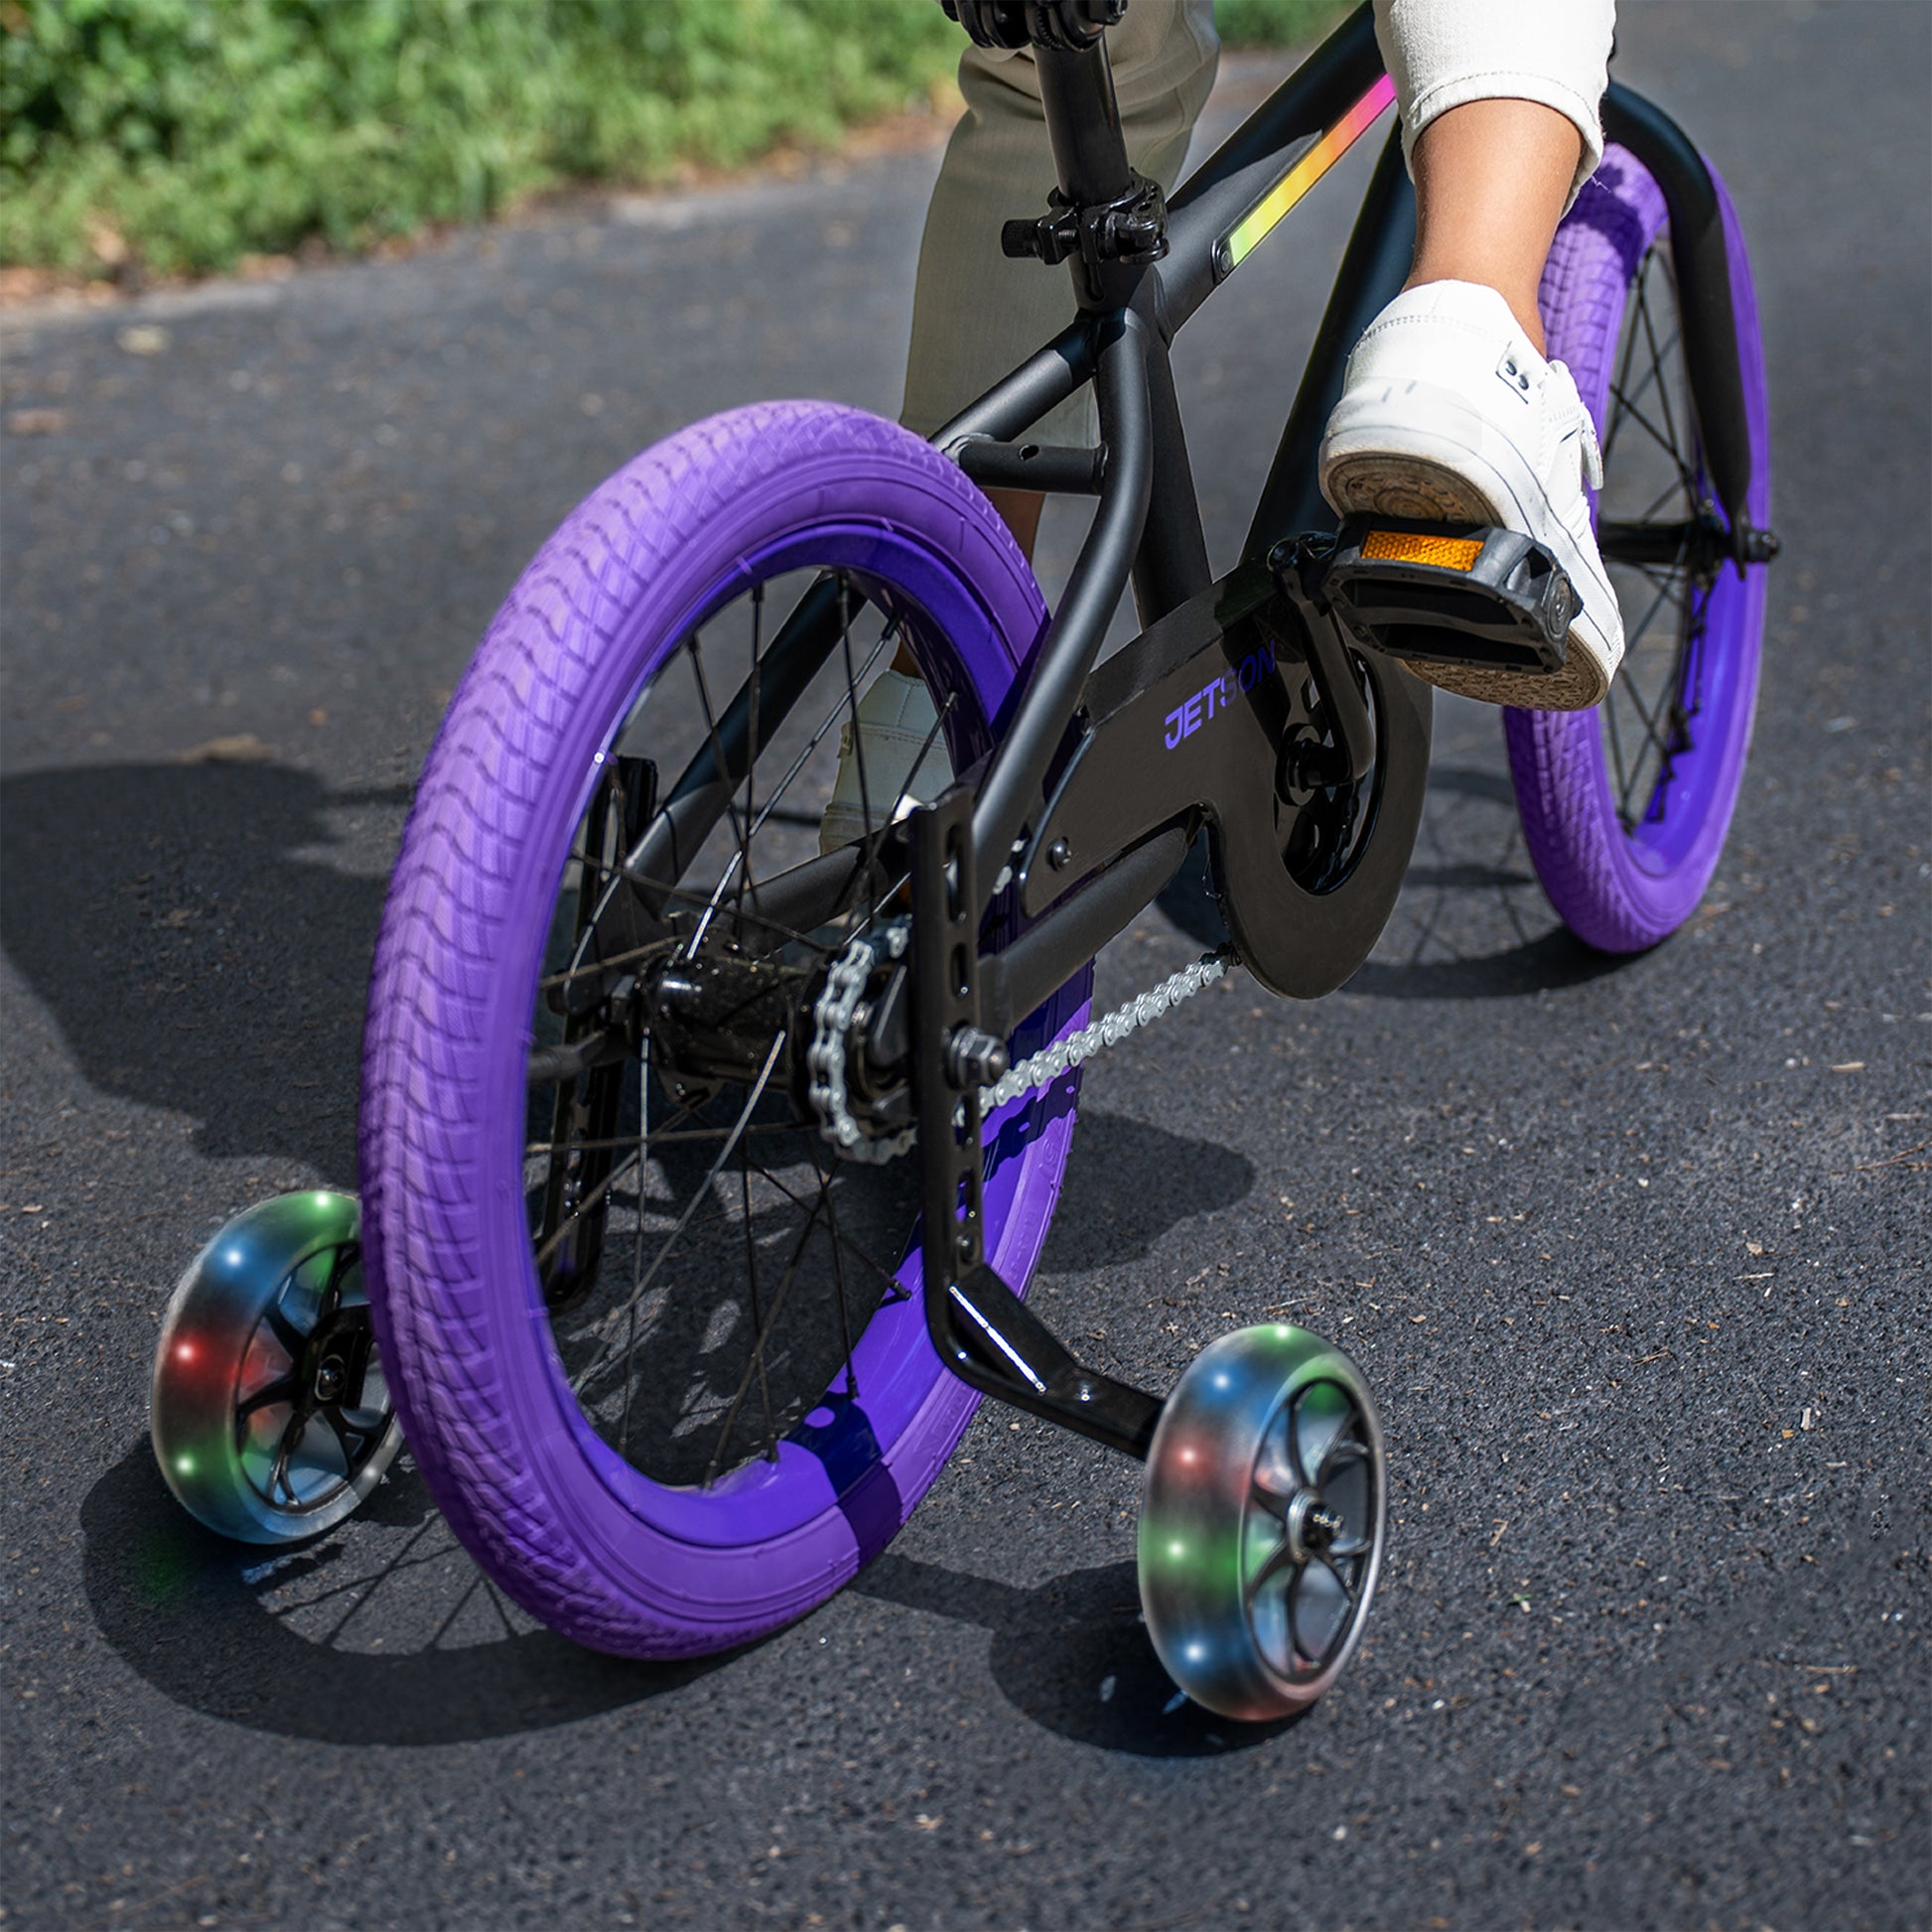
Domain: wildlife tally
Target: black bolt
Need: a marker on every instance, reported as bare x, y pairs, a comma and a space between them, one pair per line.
975, 1058
328, 1380
1060, 855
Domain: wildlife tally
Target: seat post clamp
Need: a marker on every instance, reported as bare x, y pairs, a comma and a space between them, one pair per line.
1133, 227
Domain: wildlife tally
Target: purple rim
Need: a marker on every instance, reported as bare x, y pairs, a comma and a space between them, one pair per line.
1619, 891
893, 1359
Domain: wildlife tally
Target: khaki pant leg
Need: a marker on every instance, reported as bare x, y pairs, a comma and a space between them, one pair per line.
976, 313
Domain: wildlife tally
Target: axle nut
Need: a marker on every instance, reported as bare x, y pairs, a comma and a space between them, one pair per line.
975, 1058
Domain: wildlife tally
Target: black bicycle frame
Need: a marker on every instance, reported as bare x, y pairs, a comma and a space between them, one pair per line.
1101, 836
1148, 522
968, 846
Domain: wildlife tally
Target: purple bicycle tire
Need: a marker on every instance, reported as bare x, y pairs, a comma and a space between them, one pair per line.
569, 1529
1621, 890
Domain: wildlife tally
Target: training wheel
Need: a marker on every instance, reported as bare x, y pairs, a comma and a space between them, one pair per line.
268, 1412
1262, 1521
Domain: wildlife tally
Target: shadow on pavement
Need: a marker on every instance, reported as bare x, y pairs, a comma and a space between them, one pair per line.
1556, 960
1073, 1655
198, 951
1129, 1184
382, 1632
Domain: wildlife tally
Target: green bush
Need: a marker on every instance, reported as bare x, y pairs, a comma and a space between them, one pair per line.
188, 132
1275, 23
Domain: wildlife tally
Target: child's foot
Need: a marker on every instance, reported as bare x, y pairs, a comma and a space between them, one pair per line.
895, 724
1448, 412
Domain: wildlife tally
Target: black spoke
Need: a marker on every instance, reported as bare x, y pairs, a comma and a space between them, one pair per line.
1619, 384
278, 1474
895, 1288
760, 1337
286, 1332
636, 1239
695, 652
758, 1308
751, 739
825, 1178
340, 1427
686, 1137
702, 1192
283, 1389
1656, 355
1280, 1559
1616, 758
888, 636
339, 1263
1643, 422
595, 1200
589, 1205
857, 746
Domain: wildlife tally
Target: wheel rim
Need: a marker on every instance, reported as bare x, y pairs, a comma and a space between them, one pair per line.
1310, 1532
1263, 1522
270, 1411
1665, 730
311, 1402
752, 1334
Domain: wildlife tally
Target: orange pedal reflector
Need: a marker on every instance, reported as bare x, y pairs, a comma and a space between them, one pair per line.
1414, 547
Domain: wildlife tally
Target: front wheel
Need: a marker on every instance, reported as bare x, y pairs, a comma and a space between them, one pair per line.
658, 1347
1625, 807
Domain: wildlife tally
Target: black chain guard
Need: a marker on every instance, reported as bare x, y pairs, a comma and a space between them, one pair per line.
1213, 713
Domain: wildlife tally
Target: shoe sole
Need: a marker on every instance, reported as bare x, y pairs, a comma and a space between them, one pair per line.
1393, 471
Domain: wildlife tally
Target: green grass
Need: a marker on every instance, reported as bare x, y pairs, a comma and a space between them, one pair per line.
183, 134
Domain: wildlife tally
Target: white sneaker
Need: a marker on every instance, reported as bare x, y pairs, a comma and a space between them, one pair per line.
895, 724
1448, 413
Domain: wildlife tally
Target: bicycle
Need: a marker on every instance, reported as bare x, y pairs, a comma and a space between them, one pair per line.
704, 1173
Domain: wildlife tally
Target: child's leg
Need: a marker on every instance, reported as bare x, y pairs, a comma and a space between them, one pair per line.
1492, 180
977, 313
1450, 410
1499, 117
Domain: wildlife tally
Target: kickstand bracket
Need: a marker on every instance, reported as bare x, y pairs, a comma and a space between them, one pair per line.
983, 1333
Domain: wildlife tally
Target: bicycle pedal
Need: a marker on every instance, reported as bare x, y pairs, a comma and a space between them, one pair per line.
1450, 593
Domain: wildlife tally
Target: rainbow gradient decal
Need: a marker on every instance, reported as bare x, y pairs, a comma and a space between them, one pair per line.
1329, 149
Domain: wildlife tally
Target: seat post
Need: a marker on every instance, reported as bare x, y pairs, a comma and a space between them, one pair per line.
1083, 124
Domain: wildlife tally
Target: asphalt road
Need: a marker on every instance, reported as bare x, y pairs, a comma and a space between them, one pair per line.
1634, 1254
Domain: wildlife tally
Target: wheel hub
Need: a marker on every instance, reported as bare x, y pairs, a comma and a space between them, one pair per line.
1320, 1528
1313, 1526
334, 1362
713, 1014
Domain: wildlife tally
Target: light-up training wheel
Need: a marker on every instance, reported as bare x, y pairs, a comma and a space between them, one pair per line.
268, 1412
1262, 1522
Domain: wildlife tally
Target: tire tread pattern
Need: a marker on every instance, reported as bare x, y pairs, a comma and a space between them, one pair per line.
432, 975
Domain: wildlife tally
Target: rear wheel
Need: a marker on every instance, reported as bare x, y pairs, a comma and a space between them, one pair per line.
658, 1346
1625, 808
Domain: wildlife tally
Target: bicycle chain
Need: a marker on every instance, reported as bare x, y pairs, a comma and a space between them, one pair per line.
846, 981
1108, 1031
845, 986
